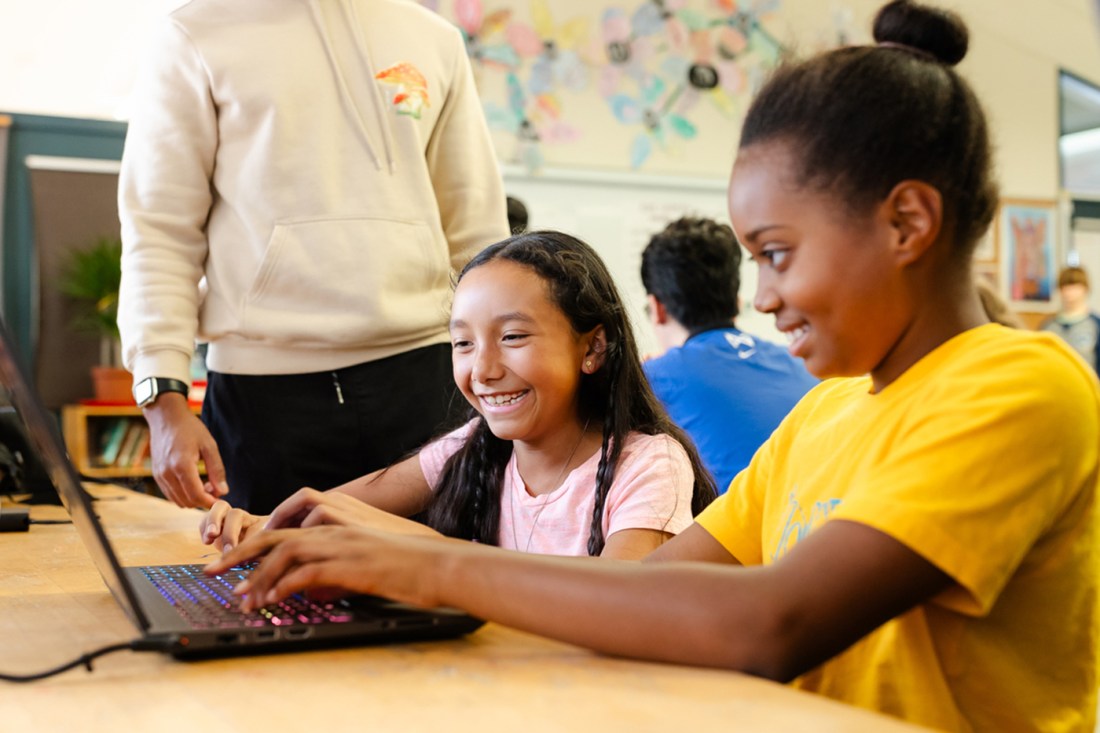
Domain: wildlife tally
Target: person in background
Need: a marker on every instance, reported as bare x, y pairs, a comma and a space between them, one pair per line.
567, 451
517, 215
727, 389
919, 535
1075, 322
299, 183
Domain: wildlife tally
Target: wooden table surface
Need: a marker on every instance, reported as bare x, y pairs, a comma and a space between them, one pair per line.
54, 607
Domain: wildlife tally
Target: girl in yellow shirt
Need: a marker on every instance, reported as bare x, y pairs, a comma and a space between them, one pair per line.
920, 535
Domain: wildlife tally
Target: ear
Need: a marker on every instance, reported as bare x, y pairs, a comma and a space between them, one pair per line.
596, 352
915, 211
658, 314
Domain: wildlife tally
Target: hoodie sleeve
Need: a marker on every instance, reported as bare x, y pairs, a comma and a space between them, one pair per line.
164, 199
463, 167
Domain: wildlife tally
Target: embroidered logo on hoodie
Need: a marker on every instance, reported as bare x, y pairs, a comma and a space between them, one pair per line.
412, 89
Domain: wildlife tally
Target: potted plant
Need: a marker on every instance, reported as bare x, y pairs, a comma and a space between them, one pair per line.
91, 279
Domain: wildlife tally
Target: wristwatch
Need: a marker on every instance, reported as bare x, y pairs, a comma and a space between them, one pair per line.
147, 390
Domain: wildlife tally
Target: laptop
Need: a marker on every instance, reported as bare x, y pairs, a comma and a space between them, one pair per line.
177, 608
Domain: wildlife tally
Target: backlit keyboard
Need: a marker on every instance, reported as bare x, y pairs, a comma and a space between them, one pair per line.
208, 602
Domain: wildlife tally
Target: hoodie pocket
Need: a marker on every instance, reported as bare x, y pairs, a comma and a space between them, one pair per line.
351, 281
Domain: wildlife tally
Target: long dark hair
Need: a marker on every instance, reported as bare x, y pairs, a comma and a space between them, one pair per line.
466, 503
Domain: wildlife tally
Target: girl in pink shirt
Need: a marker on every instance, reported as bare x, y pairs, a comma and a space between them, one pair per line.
567, 451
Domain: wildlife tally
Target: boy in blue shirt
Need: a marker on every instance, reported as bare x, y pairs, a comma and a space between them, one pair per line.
1075, 322
727, 389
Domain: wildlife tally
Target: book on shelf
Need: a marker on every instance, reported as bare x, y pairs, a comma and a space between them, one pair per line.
131, 443
111, 436
142, 457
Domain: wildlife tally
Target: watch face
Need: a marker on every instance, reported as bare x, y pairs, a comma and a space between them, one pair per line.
143, 391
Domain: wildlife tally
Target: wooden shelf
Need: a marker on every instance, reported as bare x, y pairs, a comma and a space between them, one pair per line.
84, 426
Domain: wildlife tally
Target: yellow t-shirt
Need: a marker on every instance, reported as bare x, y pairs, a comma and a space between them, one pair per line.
982, 458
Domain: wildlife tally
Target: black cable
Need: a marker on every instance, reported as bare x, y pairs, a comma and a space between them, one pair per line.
50, 521
137, 645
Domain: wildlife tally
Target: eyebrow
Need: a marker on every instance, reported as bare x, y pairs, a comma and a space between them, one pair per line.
755, 233
502, 318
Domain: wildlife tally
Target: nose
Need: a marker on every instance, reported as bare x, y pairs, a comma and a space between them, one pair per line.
486, 365
766, 300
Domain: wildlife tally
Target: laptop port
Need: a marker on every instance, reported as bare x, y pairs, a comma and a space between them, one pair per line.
404, 623
228, 639
266, 635
298, 632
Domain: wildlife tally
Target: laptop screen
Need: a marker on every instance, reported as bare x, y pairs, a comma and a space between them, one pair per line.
41, 430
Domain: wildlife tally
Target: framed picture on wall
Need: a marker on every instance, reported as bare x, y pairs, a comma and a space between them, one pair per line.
1027, 236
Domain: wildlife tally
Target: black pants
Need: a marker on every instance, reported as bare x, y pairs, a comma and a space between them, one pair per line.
278, 433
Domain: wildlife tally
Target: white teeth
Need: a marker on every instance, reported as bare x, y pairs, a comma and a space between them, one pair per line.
797, 333
502, 399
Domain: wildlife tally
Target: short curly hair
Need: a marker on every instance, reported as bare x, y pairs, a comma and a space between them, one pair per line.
864, 118
693, 267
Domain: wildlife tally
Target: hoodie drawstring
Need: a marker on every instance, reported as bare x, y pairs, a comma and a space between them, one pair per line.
355, 39
339, 392
379, 100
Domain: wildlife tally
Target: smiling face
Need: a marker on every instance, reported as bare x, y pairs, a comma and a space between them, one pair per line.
829, 276
516, 357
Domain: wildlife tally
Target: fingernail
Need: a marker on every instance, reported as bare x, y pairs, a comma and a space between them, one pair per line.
223, 488
271, 597
241, 588
227, 548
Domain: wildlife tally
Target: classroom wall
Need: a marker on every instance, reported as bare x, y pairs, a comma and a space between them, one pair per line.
77, 58
73, 58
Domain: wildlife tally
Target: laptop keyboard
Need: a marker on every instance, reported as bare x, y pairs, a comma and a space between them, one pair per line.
208, 602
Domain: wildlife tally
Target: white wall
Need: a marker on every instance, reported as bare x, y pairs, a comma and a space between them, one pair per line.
70, 57
77, 58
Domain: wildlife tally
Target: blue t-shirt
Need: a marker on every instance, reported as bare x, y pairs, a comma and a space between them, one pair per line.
729, 391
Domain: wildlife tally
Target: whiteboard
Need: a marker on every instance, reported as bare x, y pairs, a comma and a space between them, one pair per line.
617, 213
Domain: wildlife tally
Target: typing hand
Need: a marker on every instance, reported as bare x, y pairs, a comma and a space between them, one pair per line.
226, 527
333, 560
312, 508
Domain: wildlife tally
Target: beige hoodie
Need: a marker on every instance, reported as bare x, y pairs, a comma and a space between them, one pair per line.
324, 164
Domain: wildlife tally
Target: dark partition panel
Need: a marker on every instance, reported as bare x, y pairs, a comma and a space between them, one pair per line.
73, 205
68, 206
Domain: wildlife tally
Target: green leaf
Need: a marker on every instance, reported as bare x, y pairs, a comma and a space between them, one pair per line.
91, 279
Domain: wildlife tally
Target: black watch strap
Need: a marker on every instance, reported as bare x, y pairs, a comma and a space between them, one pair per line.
147, 390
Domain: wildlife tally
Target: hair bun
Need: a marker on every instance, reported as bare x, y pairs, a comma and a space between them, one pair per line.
937, 32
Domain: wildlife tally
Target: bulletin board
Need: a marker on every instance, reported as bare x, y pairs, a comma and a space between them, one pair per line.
646, 85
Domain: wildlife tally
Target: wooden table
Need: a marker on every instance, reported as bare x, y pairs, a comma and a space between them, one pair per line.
54, 607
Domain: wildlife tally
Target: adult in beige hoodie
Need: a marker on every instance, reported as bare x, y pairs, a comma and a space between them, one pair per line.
300, 179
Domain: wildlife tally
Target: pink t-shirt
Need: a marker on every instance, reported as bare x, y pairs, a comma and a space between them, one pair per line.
652, 490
